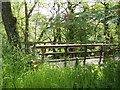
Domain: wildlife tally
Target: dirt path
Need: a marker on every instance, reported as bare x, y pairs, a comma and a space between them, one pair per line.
72, 63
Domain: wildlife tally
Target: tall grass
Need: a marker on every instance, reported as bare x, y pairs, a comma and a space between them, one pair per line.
16, 74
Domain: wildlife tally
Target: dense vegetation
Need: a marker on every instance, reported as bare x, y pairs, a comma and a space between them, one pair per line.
65, 21
68, 21
19, 75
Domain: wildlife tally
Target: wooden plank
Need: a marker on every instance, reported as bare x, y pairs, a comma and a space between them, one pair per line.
76, 52
62, 42
71, 59
53, 53
68, 45
51, 42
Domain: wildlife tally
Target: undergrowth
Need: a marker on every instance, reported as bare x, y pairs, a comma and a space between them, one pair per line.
16, 73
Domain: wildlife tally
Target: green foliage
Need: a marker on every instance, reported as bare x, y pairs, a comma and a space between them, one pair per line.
16, 74
14, 64
89, 76
87, 23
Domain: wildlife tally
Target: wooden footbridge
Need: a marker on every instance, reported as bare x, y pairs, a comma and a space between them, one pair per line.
72, 51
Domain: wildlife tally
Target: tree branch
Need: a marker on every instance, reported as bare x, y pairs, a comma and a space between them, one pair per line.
31, 10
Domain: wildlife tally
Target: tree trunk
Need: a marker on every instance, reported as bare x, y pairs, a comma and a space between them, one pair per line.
9, 22
26, 35
26, 32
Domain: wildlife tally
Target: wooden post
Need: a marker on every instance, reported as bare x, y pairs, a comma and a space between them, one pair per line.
33, 48
76, 63
85, 53
43, 53
27, 49
66, 56
101, 50
104, 55
45, 48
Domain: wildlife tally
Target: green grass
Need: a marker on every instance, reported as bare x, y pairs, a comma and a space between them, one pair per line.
16, 74
89, 76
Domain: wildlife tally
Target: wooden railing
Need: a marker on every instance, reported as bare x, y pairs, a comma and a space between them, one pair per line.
63, 50
57, 43
66, 52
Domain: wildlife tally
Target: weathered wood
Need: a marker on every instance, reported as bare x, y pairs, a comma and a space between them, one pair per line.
68, 45
66, 56
66, 52
85, 50
76, 63
33, 49
43, 53
105, 54
70, 59
101, 51
53, 42
45, 48
61, 53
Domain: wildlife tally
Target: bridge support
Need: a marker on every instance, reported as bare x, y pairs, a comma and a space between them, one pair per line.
66, 56
85, 50
43, 53
101, 50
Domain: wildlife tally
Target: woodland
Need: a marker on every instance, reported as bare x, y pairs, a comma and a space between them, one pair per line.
87, 22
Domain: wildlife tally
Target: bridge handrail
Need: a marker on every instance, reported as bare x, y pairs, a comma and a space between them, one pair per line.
66, 46
70, 45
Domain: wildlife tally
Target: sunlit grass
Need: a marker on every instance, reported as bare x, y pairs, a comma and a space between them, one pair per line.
89, 76
16, 74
